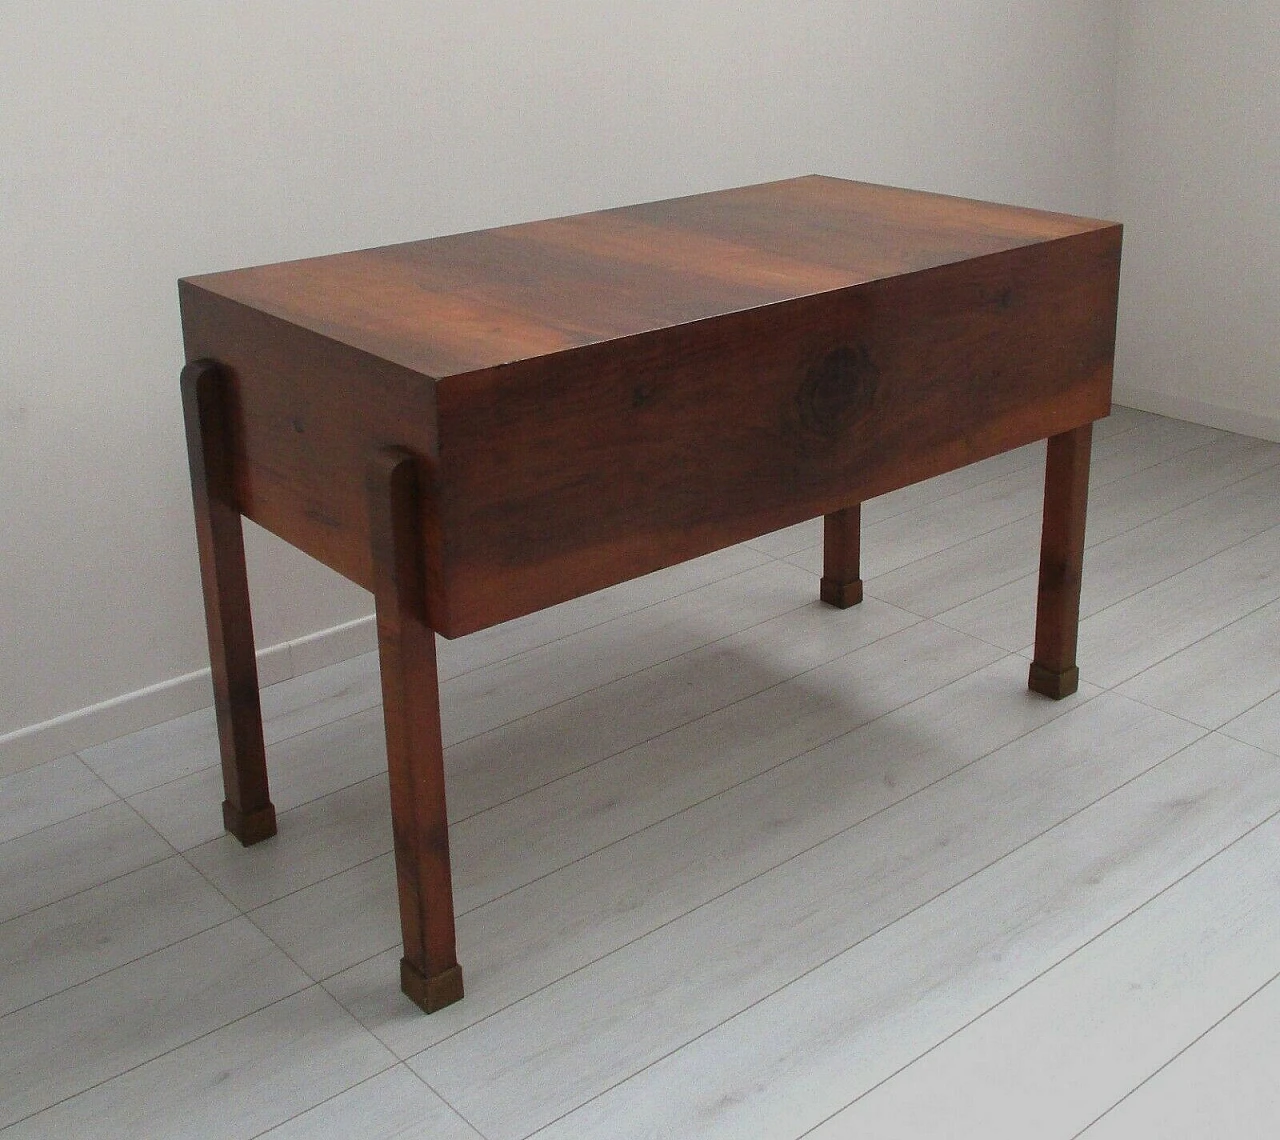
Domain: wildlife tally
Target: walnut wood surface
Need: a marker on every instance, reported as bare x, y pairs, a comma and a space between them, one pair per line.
1066, 493
611, 393
411, 711
454, 305
841, 584
479, 426
247, 811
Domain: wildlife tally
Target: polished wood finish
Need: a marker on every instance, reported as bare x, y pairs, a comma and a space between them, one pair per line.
429, 970
1066, 494
572, 403
247, 811
841, 584
615, 392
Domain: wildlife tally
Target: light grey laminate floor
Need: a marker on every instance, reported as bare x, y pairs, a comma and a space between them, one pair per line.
728, 863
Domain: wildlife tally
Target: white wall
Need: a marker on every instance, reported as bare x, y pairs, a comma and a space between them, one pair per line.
150, 140
1198, 186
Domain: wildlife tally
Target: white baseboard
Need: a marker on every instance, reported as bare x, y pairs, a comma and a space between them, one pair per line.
1198, 411
177, 696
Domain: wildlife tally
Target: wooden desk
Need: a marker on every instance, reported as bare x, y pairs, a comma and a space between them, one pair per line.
476, 427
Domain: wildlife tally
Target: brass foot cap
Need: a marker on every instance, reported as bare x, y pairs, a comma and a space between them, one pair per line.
249, 827
842, 595
431, 994
1053, 684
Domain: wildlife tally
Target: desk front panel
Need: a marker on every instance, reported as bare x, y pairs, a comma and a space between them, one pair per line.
552, 477
566, 474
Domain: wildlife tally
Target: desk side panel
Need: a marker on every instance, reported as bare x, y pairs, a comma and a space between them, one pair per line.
568, 474
306, 413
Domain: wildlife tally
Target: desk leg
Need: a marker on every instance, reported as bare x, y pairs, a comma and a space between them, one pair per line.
841, 585
247, 811
1066, 494
429, 970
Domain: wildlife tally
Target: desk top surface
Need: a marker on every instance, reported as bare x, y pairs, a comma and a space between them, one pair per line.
458, 304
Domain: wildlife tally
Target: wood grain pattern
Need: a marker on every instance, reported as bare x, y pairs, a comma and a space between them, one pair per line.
612, 393
306, 413
678, 850
1064, 1049
841, 584
557, 407
785, 1063
131, 1015
429, 971
572, 1041
464, 303
1066, 493
247, 811
775, 1065
574, 472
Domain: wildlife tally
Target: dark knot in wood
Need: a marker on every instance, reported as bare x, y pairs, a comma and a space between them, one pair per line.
837, 391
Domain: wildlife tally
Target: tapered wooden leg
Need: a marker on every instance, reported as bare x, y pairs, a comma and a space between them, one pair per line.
841, 585
247, 811
429, 970
1066, 493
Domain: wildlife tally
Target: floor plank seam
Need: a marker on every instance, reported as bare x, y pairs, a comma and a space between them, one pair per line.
119, 965
100, 883
519, 654
249, 914
880, 930
124, 965
672, 728
871, 525
786, 556
1026, 651
35, 831
1204, 728
1241, 740
1066, 957
1261, 701
1186, 1048
639, 831
1030, 581
447, 1102
1199, 640
1030, 578
941, 620
167, 1052
550, 783
333, 1097
766, 871
205, 769
383, 853
623, 676
728, 788
1271, 600
461, 673
869, 539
